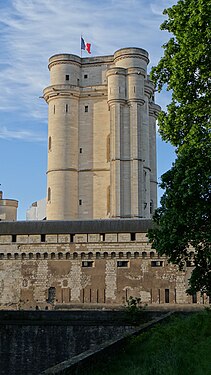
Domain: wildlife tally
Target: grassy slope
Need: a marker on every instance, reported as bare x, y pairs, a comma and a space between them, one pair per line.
180, 347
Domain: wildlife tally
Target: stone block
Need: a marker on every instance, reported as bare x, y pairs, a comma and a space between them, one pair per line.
63, 238
22, 238
111, 237
93, 237
123, 237
51, 238
80, 238
34, 238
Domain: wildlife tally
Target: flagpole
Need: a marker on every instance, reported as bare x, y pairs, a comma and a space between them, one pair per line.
80, 45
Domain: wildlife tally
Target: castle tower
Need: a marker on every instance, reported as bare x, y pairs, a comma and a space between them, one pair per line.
101, 137
8, 209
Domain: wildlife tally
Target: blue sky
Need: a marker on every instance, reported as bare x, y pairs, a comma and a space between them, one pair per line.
30, 32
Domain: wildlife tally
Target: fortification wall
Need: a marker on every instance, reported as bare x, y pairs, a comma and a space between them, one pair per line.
58, 270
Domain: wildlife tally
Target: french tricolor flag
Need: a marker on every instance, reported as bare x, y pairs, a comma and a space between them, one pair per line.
86, 46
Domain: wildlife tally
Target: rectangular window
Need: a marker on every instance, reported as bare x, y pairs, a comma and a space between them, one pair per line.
132, 236
86, 108
80, 202
80, 150
72, 236
194, 298
87, 263
67, 77
66, 108
14, 238
102, 236
42, 237
54, 109
166, 295
122, 263
156, 263
85, 76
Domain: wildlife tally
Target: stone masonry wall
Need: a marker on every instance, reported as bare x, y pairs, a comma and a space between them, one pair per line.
64, 270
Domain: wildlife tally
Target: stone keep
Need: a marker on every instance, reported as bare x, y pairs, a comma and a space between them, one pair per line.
102, 137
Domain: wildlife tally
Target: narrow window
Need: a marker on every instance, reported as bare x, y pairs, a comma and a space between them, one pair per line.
51, 294
42, 237
151, 207
85, 76
102, 236
54, 109
49, 194
122, 263
14, 238
78, 81
152, 254
156, 263
134, 88
132, 236
75, 255
194, 298
66, 108
87, 263
86, 108
67, 77
80, 202
72, 236
108, 148
108, 199
49, 143
166, 295
80, 150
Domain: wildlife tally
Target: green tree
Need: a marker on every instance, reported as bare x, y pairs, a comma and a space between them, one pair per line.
184, 218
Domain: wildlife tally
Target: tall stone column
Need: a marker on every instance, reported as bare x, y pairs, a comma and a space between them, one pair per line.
154, 109
137, 138
62, 174
116, 102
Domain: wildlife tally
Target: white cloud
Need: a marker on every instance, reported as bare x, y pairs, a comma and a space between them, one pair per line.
33, 30
21, 135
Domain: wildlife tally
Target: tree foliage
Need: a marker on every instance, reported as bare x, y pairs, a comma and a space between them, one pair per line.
184, 219
185, 70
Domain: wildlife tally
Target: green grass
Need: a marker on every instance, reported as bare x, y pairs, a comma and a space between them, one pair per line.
182, 346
